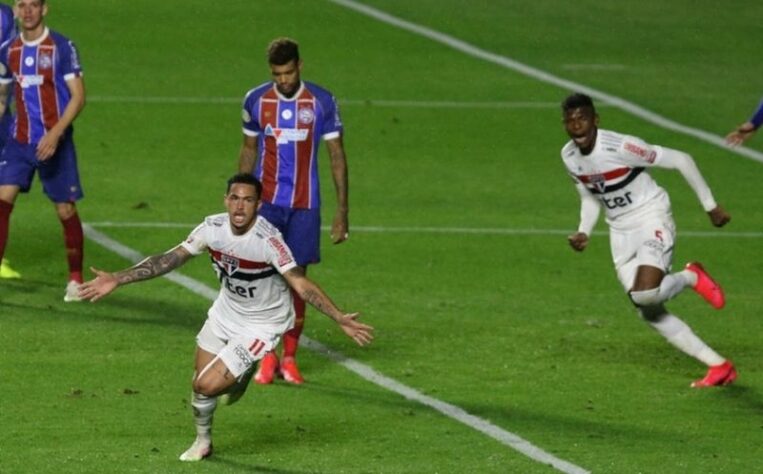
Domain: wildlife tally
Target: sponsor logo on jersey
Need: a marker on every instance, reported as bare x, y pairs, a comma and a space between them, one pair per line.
29, 61
286, 135
284, 257
31, 80
305, 115
286, 114
45, 60
645, 154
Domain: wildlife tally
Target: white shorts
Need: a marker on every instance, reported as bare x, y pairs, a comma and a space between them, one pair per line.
650, 244
239, 352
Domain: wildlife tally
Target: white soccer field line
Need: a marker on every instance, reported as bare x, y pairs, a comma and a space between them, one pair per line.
482, 425
443, 230
548, 78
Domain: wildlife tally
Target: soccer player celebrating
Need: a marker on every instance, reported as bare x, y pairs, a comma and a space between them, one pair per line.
609, 171
745, 131
49, 94
252, 310
283, 123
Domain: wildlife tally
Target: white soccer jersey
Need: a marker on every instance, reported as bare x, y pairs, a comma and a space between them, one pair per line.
253, 294
614, 173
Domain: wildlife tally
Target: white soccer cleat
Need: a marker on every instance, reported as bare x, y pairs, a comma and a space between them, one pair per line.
72, 292
200, 449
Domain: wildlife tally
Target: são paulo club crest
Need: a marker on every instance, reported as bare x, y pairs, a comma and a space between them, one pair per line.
599, 182
229, 264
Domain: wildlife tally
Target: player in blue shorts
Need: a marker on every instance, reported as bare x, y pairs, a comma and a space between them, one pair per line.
7, 31
44, 70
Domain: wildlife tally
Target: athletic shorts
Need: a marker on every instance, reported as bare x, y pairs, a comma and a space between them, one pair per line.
238, 352
650, 244
59, 175
301, 229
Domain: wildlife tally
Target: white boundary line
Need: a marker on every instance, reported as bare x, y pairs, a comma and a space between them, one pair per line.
543, 76
484, 426
442, 230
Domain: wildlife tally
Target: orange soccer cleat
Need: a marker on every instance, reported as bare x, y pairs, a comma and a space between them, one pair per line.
290, 372
722, 374
706, 286
267, 369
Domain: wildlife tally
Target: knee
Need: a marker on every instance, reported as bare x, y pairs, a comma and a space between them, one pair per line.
652, 313
646, 297
205, 386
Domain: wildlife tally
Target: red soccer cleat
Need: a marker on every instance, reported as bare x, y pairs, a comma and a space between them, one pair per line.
290, 372
722, 374
267, 369
706, 286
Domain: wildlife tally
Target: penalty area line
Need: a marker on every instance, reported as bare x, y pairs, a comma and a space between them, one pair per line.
364, 371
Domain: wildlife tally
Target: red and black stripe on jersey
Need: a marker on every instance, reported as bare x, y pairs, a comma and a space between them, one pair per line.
599, 183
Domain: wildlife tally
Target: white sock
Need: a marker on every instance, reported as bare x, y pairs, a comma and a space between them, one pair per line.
675, 283
680, 335
203, 412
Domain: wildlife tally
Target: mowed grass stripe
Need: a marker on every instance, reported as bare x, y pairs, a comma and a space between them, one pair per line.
507, 438
537, 74
443, 230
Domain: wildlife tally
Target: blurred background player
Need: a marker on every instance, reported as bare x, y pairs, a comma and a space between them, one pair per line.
746, 130
49, 94
284, 121
7, 32
251, 311
609, 170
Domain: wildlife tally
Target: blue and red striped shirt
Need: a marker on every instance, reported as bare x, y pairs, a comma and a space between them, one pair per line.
39, 70
288, 133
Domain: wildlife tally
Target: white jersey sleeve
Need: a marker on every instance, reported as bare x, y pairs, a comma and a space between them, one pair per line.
636, 152
197, 241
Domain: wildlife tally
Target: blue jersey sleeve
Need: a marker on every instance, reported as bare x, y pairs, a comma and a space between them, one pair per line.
757, 117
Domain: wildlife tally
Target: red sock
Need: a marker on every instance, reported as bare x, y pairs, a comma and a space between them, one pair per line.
74, 241
291, 338
5, 219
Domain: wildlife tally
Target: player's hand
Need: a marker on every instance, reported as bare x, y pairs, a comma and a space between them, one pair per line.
95, 289
47, 145
719, 217
358, 332
578, 241
340, 228
741, 134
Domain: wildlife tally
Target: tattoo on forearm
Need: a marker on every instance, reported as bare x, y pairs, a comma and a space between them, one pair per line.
151, 267
319, 301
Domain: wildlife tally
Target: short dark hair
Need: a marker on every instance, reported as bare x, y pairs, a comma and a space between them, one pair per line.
245, 178
282, 51
576, 101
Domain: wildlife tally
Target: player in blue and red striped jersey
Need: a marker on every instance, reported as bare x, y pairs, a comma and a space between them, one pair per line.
7, 31
745, 131
284, 121
44, 69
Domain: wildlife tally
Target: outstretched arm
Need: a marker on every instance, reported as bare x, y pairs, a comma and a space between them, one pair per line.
313, 294
684, 163
340, 227
745, 131
151, 267
248, 155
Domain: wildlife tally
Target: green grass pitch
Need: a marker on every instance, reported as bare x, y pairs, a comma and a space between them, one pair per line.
458, 256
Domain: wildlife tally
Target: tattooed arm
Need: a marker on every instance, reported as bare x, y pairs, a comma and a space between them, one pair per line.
154, 266
313, 294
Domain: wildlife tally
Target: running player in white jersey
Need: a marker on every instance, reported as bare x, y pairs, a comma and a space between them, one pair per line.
254, 306
609, 171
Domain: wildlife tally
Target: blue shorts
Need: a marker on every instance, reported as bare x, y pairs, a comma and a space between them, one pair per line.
301, 229
59, 176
